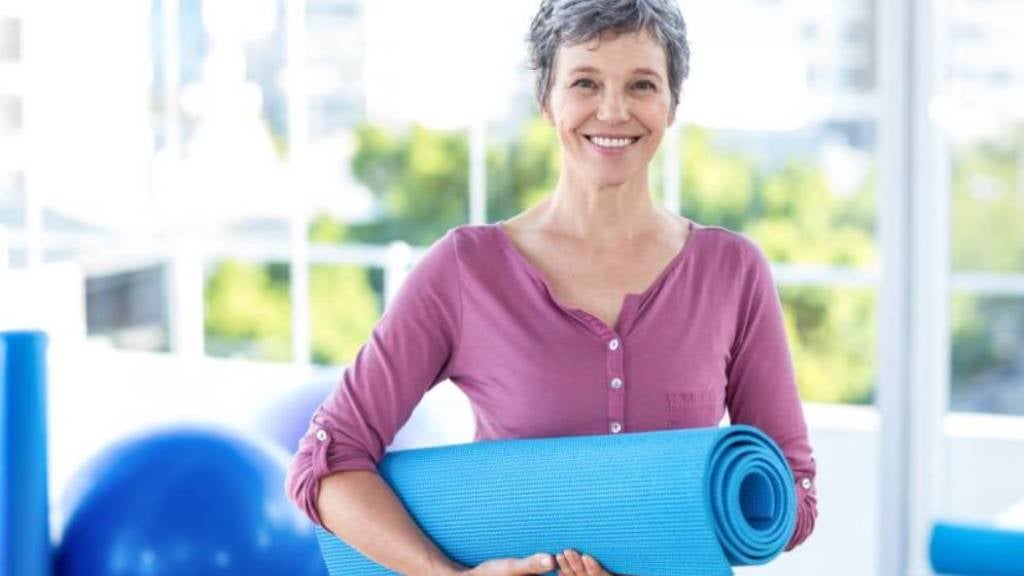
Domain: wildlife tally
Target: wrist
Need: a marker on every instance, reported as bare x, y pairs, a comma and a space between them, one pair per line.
449, 568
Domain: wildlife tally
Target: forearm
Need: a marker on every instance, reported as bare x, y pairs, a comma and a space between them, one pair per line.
361, 509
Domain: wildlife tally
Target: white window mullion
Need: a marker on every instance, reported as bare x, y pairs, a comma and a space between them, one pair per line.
930, 266
295, 65
893, 209
478, 169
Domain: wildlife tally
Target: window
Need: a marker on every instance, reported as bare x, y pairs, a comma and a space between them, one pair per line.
984, 124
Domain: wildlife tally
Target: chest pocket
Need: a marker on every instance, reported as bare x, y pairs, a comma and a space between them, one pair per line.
694, 407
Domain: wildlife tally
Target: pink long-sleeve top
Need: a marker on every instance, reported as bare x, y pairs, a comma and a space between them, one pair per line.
707, 336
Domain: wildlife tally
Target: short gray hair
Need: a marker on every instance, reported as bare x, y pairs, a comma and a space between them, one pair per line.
568, 22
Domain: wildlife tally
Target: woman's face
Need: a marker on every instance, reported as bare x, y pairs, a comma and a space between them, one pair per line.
609, 102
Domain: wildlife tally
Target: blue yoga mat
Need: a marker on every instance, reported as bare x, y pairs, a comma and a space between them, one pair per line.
661, 503
24, 513
976, 550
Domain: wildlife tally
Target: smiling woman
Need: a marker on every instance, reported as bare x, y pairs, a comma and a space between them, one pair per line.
610, 103
593, 312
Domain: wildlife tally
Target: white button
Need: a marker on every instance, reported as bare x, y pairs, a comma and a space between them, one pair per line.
321, 435
616, 383
806, 483
614, 344
616, 427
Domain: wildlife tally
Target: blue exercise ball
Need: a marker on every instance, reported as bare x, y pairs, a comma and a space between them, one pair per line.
287, 421
186, 501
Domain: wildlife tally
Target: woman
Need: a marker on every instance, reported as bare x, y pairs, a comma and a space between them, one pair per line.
593, 312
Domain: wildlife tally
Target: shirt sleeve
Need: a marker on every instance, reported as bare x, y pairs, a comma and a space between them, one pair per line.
761, 389
411, 348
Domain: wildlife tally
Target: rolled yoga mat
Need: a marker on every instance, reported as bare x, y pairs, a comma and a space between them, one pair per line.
976, 550
660, 503
24, 512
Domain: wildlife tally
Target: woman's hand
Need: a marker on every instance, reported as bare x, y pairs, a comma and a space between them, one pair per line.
571, 563
537, 564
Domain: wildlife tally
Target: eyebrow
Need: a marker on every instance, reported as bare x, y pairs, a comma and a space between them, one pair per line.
591, 69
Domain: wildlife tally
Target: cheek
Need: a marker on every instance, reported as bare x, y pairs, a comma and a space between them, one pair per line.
568, 120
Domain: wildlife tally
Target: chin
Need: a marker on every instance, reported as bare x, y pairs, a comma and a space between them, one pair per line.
613, 179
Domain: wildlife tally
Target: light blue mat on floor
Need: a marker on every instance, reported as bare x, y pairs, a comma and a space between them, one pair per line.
661, 503
976, 550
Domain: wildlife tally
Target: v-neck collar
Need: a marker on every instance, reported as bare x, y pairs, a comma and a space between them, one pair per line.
631, 302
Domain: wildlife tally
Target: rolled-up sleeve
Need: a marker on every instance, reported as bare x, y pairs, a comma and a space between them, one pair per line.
761, 389
411, 348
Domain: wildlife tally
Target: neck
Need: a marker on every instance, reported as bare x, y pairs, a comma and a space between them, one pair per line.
601, 215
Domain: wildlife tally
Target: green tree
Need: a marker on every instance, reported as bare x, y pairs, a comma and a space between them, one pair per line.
794, 217
987, 209
419, 176
248, 307
248, 312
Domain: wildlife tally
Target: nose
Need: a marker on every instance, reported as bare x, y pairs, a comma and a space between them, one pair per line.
612, 108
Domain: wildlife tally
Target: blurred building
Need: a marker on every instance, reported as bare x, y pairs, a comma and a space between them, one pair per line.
984, 34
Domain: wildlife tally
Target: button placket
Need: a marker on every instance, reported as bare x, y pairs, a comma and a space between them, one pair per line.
614, 378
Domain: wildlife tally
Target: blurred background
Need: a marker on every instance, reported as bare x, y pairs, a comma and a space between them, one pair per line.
208, 203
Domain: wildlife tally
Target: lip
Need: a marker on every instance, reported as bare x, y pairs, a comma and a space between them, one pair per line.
611, 152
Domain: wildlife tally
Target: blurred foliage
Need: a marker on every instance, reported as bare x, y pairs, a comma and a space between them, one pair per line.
987, 211
988, 196
420, 179
522, 171
344, 310
248, 308
248, 312
792, 214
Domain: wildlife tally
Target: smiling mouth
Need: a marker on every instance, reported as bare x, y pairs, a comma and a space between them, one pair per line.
612, 142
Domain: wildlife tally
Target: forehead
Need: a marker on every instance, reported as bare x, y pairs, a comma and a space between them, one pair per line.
612, 54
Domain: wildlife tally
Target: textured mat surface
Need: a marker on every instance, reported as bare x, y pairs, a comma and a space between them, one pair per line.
660, 503
976, 550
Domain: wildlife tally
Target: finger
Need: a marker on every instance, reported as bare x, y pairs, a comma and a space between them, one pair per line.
563, 566
564, 569
542, 563
592, 567
576, 562
536, 564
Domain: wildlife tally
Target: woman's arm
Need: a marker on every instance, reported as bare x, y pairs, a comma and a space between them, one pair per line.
361, 509
412, 348
761, 389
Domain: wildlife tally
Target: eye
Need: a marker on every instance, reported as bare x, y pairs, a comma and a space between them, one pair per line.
646, 85
584, 82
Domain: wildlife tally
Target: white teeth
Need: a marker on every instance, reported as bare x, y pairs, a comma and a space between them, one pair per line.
612, 142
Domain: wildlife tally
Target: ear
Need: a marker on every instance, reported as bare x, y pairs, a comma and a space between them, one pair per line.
545, 111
